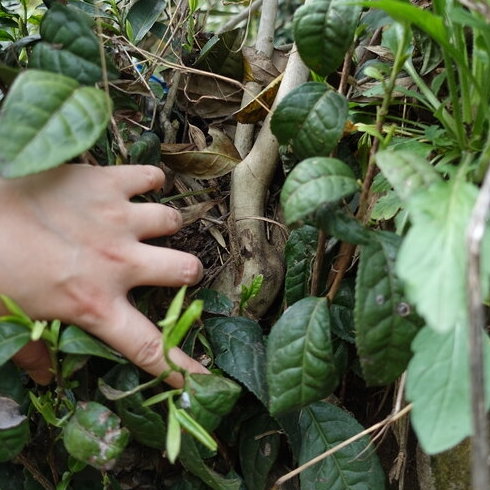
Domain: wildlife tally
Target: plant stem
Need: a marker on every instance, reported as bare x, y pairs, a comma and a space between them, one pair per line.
476, 317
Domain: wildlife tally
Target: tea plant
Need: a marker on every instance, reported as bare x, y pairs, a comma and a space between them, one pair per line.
382, 178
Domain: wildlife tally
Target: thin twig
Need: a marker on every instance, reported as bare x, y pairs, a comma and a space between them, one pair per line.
388, 420
474, 237
245, 14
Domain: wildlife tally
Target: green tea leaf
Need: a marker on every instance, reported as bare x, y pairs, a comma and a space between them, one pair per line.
142, 15
342, 312
259, 449
314, 182
174, 309
14, 429
195, 429
192, 461
323, 426
145, 150
299, 254
406, 171
174, 434
338, 223
11, 385
74, 340
239, 348
324, 31
69, 46
93, 435
385, 323
175, 333
300, 364
12, 338
311, 117
145, 425
438, 385
432, 257
210, 397
215, 302
47, 119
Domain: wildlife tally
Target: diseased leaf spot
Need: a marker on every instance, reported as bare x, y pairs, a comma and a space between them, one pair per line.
380, 299
403, 309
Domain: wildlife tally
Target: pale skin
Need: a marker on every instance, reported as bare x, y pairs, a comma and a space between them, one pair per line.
71, 249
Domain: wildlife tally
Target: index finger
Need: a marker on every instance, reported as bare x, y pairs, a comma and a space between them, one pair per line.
137, 179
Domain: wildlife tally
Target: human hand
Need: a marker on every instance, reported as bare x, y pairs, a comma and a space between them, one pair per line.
71, 250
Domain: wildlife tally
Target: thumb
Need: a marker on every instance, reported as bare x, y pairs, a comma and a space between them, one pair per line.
34, 359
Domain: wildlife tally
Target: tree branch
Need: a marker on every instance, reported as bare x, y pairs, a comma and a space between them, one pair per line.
474, 238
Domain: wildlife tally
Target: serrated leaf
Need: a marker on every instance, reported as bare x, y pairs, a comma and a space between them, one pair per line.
219, 158
323, 32
69, 46
215, 302
338, 223
432, 257
12, 338
142, 15
145, 150
259, 448
385, 323
239, 348
311, 118
313, 183
73, 340
211, 397
47, 119
438, 385
192, 461
14, 429
406, 171
145, 425
356, 466
299, 255
93, 435
300, 363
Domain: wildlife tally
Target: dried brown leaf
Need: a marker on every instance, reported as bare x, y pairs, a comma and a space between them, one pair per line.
258, 67
258, 108
192, 213
219, 158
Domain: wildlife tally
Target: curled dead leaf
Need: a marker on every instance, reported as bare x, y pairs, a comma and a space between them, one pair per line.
258, 67
258, 108
219, 158
192, 213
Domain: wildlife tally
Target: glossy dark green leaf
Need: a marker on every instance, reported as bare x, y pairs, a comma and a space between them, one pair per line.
215, 302
73, 363
93, 435
406, 171
222, 55
47, 119
323, 32
192, 461
239, 348
338, 223
145, 150
356, 466
145, 425
142, 15
385, 322
210, 398
74, 340
69, 46
299, 255
259, 448
313, 183
432, 257
438, 385
14, 429
311, 118
12, 338
11, 385
342, 312
300, 364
